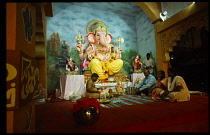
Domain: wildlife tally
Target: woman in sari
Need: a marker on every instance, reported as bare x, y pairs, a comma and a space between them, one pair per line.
178, 91
161, 85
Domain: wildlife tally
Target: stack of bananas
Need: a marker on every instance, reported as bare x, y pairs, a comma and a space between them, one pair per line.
104, 100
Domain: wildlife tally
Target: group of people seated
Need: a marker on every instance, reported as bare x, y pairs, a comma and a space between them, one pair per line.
172, 88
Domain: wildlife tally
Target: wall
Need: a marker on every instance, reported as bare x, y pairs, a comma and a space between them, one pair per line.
21, 45
173, 8
168, 31
23, 76
73, 19
146, 38
68, 21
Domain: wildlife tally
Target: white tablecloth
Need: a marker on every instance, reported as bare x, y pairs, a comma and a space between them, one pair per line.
136, 75
70, 84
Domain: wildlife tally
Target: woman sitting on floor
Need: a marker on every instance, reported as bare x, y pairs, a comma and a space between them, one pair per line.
177, 87
161, 85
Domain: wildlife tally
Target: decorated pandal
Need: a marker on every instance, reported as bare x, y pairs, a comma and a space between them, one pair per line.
103, 59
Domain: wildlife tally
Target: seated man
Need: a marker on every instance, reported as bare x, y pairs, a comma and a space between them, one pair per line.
91, 90
149, 82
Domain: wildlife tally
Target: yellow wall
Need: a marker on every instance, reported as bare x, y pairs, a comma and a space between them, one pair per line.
10, 26
16, 41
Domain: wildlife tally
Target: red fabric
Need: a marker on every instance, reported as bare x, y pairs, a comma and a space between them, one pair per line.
190, 116
149, 126
85, 102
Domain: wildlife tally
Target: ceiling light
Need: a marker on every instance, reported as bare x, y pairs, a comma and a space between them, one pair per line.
164, 15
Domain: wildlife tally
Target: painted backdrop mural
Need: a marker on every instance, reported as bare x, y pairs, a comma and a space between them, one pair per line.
69, 20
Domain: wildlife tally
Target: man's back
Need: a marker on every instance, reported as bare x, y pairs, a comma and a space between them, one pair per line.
91, 90
90, 85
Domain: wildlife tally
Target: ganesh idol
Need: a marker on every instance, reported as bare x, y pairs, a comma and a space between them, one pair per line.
101, 53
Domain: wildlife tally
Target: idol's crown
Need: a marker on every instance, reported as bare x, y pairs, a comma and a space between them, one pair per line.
99, 28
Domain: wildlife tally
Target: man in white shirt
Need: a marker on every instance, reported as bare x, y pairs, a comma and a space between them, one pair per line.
148, 63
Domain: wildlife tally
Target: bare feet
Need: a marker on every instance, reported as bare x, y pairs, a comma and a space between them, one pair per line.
171, 100
143, 95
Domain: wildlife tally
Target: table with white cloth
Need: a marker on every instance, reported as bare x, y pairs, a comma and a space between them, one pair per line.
136, 75
70, 84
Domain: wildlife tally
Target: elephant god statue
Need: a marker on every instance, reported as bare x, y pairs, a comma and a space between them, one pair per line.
101, 53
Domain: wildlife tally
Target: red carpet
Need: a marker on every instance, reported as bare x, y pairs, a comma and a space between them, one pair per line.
162, 116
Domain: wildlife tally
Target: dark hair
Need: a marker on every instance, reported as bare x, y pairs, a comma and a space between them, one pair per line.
146, 70
94, 75
162, 72
173, 70
148, 54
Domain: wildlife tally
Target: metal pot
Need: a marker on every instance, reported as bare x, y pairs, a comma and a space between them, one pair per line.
86, 115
